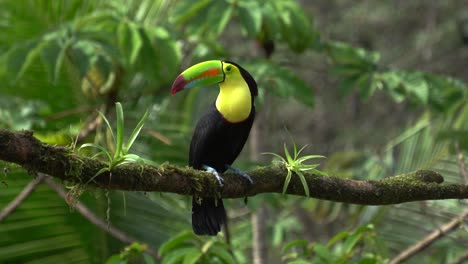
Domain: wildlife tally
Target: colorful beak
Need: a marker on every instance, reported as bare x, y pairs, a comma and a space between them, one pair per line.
201, 74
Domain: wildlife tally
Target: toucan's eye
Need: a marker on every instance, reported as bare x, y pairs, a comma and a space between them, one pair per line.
228, 68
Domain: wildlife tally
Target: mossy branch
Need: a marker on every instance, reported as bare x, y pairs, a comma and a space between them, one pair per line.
25, 150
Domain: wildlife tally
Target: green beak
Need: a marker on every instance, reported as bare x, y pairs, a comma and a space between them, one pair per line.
201, 74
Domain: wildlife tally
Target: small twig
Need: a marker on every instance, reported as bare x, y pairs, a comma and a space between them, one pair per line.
431, 238
442, 230
462, 258
159, 136
11, 207
89, 128
88, 214
66, 113
461, 164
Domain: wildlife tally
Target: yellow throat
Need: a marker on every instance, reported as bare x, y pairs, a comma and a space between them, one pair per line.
234, 101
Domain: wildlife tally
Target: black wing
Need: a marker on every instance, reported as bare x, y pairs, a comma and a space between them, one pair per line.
217, 142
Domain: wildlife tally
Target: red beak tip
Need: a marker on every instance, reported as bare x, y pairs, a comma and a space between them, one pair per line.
176, 89
178, 84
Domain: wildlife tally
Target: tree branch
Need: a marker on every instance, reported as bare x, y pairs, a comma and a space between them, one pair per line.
28, 189
23, 149
462, 258
442, 230
430, 238
88, 214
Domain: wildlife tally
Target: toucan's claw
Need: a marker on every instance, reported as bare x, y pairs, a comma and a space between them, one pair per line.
238, 172
216, 174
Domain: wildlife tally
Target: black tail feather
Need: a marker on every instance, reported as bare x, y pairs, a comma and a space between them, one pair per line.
207, 216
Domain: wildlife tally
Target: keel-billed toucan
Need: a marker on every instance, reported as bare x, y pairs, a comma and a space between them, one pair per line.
220, 134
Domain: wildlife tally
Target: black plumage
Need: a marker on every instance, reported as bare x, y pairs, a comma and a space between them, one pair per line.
216, 143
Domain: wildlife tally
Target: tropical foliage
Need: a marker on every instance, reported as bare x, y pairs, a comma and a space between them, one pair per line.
64, 64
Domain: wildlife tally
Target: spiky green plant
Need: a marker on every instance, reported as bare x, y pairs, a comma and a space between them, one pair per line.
121, 153
294, 163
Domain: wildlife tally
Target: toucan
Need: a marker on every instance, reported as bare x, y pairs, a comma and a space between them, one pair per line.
221, 132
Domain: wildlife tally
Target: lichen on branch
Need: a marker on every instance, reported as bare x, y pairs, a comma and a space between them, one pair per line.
60, 162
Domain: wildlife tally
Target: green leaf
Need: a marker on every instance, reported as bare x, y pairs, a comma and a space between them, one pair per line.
286, 181
300, 150
296, 28
130, 41
281, 81
148, 259
149, 162
101, 171
288, 156
53, 55
177, 241
357, 67
136, 132
108, 126
83, 54
101, 148
123, 33
391, 79
278, 234
42, 229
136, 41
421, 124
275, 155
164, 61
131, 157
416, 85
344, 54
250, 16
319, 172
270, 21
346, 71
207, 245
21, 56
116, 259
323, 253
32, 55
306, 167
120, 130
224, 19
299, 261
294, 148
455, 135
366, 85
309, 157
187, 10
223, 254
177, 255
192, 257
351, 242
295, 243
304, 183
348, 85
341, 235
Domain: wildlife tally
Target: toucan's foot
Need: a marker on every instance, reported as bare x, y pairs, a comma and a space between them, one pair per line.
238, 172
215, 173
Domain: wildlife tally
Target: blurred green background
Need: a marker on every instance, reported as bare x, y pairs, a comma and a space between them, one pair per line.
379, 87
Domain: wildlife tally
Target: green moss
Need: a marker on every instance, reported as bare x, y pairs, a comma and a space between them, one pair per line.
75, 168
202, 183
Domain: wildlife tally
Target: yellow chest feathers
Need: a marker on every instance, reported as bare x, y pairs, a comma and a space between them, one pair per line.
234, 101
